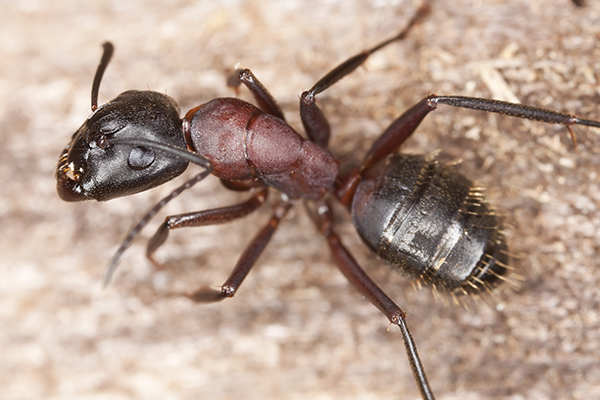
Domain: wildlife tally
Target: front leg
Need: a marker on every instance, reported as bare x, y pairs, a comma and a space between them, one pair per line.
213, 216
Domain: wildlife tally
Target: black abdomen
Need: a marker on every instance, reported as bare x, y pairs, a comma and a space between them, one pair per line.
430, 221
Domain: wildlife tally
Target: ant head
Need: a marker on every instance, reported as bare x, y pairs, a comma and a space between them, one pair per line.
113, 154
128, 145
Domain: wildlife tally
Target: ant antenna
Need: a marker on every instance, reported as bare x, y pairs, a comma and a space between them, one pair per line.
112, 266
106, 56
181, 153
184, 154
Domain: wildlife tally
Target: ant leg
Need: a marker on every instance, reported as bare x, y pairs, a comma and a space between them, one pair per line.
246, 261
404, 126
314, 122
213, 216
242, 186
266, 101
387, 143
515, 110
322, 216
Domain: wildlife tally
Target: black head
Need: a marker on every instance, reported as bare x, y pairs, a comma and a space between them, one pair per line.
130, 144
120, 148
103, 160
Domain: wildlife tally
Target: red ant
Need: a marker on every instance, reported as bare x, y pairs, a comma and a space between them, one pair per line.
424, 218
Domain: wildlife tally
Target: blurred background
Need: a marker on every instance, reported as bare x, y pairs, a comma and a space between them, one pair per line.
296, 329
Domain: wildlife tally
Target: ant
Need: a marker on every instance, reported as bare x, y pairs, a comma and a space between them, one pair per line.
424, 218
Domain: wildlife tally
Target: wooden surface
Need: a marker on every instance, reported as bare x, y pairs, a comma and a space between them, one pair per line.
296, 329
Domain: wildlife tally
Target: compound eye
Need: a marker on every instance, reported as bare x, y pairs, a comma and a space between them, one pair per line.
141, 158
102, 142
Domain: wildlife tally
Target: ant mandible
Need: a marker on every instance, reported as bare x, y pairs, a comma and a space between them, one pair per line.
424, 218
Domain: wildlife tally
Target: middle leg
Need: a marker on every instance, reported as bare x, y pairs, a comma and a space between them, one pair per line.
246, 260
314, 122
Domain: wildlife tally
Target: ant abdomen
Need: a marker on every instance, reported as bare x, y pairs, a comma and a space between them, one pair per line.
431, 222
